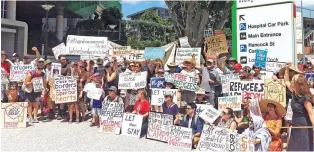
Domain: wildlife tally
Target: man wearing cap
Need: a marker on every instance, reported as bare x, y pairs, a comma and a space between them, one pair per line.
112, 96
169, 107
15, 58
226, 65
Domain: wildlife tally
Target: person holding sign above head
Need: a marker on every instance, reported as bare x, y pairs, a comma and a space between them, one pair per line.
32, 97
190, 120
227, 119
142, 107
171, 108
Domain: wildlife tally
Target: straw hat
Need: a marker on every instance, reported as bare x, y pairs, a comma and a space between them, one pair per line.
172, 65
280, 110
293, 68
189, 60
200, 91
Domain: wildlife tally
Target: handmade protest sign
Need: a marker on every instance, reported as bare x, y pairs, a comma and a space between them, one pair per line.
14, 114
58, 50
225, 81
19, 72
56, 69
184, 42
233, 102
87, 45
310, 78
260, 58
232, 142
186, 82
38, 84
158, 97
274, 66
132, 80
157, 82
180, 137
216, 44
213, 139
66, 89
245, 143
154, 53
274, 90
132, 125
187, 53
126, 52
253, 89
111, 117
200, 108
158, 126
210, 114
289, 113
95, 93
4, 79
254, 107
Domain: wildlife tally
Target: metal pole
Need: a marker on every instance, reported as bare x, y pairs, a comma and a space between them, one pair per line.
303, 50
46, 35
119, 30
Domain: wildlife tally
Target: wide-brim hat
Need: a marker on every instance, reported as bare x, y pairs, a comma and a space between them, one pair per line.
189, 60
200, 91
280, 110
172, 65
167, 82
293, 68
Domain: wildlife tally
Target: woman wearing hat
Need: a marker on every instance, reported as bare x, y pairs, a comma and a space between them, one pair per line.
273, 112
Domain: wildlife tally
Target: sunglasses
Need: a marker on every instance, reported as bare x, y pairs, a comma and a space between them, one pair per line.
13, 89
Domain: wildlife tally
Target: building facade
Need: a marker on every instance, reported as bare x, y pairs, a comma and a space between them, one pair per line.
162, 12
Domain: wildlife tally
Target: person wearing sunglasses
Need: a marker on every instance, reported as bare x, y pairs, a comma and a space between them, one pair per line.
12, 93
227, 119
257, 73
170, 107
246, 73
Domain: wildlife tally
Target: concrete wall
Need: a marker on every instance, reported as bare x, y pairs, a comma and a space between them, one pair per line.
7, 42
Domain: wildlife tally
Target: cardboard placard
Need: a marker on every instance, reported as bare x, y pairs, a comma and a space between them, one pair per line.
38, 84
132, 80
157, 82
225, 81
111, 117
14, 114
184, 42
254, 107
233, 102
180, 137
58, 50
95, 93
158, 97
216, 44
210, 114
132, 125
158, 126
66, 89
260, 58
200, 108
87, 45
253, 89
213, 139
56, 69
186, 82
274, 90
19, 72
154, 53
187, 53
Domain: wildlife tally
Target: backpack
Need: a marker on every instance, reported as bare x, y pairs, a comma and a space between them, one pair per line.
30, 89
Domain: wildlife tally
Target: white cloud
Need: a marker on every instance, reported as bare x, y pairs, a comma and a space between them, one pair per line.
130, 1
306, 3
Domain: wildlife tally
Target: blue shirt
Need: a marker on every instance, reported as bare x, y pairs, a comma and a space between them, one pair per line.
97, 103
172, 110
197, 127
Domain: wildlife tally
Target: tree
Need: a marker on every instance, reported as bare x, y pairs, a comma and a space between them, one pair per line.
111, 16
152, 16
190, 18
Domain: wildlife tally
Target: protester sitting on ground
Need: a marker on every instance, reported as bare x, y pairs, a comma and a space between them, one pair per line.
273, 112
170, 107
112, 96
32, 97
242, 119
201, 98
258, 131
12, 93
257, 73
227, 119
189, 96
97, 104
190, 120
246, 74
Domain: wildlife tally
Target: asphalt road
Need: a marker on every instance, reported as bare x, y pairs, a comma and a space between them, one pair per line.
62, 136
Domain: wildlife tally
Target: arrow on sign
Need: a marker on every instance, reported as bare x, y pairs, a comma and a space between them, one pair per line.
241, 17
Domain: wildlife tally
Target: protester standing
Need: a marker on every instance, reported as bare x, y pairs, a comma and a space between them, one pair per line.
189, 96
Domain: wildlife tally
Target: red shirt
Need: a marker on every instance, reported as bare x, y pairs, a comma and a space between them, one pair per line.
142, 107
6, 66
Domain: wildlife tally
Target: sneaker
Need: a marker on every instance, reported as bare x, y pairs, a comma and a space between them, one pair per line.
36, 120
30, 120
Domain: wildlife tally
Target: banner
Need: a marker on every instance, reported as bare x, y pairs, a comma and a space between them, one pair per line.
14, 114
254, 107
56, 69
233, 102
132, 80
66, 89
187, 53
132, 125
126, 52
213, 139
184, 42
180, 137
210, 114
274, 90
200, 108
58, 50
157, 82
38, 84
154, 53
158, 97
111, 117
225, 81
186, 82
260, 58
95, 93
19, 72
253, 89
87, 45
158, 126
216, 45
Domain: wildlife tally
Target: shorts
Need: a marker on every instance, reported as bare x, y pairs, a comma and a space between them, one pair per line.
96, 111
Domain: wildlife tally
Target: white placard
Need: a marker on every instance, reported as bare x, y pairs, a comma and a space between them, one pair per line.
38, 84
56, 70
180, 137
213, 139
95, 93
14, 115
19, 72
187, 53
289, 113
184, 42
59, 49
254, 107
253, 89
210, 114
200, 108
158, 97
132, 80
132, 125
111, 117
233, 102
66, 89
225, 81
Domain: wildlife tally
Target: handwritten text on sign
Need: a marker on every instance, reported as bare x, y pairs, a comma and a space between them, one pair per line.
253, 89
95, 93
158, 126
132, 125
157, 82
180, 137
210, 114
187, 53
38, 84
66, 89
132, 80
111, 117
154, 53
58, 50
213, 139
184, 42
225, 81
233, 102
200, 108
87, 45
274, 90
14, 114
158, 97
216, 44
180, 80
19, 72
